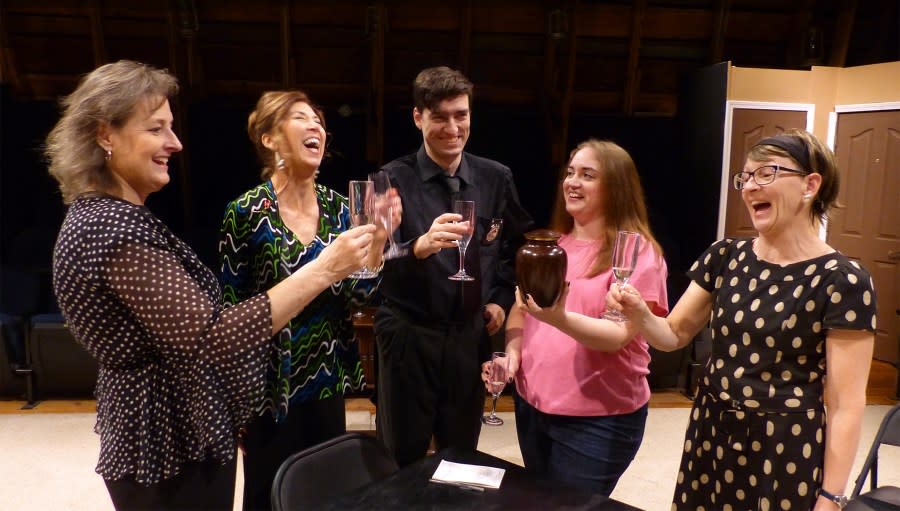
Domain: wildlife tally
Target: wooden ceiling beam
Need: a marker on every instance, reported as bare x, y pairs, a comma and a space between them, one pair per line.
558, 81
465, 37
632, 76
376, 14
8, 71
802, 46
98, 39
286, 51
720, 24
887, 17
842, 30
184, 26
548, 92
174, 22
565, 108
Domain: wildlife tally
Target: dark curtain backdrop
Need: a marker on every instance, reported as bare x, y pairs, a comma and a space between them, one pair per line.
678, 159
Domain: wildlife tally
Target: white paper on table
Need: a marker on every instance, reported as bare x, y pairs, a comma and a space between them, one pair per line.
462, 474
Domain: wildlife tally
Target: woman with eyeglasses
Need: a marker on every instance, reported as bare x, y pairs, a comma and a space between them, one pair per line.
776, 421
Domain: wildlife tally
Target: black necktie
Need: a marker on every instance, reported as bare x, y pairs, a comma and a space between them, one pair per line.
452, 183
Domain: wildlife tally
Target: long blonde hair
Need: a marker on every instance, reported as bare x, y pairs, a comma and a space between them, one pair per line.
623, 198
107, 95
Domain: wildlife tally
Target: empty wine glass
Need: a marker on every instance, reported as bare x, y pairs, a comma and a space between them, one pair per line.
466, 208
497, 382
361, 205
624, 259
385, 212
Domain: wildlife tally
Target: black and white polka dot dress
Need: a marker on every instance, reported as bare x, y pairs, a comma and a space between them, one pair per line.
179, 372
756, 435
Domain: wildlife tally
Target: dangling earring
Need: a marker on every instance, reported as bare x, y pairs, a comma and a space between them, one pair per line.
279, 161
807, 197
316, 174
108, 155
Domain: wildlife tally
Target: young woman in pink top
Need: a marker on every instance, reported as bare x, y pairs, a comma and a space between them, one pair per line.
581, 380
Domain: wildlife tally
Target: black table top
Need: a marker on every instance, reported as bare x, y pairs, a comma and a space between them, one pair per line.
410, 488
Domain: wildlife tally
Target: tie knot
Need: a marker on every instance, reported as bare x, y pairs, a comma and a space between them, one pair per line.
452, 183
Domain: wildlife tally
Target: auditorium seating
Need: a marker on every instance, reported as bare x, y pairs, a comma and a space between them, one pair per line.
39, 357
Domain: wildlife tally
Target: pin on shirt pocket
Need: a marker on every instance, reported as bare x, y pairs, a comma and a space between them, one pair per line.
491, 229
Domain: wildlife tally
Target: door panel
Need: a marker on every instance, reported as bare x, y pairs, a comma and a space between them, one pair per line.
748, 127
867, 229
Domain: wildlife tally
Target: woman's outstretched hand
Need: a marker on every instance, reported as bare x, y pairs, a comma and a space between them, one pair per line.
347, 253
627, 300
551, 315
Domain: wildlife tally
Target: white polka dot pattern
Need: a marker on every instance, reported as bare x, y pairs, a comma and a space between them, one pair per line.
179, 373
764, 382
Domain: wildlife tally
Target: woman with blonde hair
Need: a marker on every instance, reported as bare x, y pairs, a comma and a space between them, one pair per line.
179, 373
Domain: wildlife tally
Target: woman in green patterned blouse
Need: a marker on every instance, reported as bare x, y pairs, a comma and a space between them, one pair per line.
268, 233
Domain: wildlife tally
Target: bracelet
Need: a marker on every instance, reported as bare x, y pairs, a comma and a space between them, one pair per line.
380, 266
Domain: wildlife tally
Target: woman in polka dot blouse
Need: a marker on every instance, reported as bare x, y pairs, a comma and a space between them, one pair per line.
179, 372
777, 419
268, 233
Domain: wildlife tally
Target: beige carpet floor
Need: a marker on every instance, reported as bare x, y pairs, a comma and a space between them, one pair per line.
47, 460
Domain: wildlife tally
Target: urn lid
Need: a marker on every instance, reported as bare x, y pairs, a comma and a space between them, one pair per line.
542, 235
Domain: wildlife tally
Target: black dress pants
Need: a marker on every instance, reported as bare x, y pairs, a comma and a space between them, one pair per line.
429, 383
204, 485
267, 443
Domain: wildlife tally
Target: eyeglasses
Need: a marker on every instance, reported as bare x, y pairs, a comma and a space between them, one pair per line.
762, 176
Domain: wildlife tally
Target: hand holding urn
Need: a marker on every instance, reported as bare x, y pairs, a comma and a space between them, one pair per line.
541, 267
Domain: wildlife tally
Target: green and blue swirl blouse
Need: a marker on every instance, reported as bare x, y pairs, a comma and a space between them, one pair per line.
316, 355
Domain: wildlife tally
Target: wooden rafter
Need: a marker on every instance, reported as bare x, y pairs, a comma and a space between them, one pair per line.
802, 26
180, 106
286, 53
185, 27
843, 28
465, 36
565, 108
548, 93
98, 39
8, 72
632, 76
375, 21
720, 23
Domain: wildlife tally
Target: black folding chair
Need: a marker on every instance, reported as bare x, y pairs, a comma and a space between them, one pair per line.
879, 498
314, 476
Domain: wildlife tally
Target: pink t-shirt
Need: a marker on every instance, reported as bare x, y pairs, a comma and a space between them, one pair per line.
561, 376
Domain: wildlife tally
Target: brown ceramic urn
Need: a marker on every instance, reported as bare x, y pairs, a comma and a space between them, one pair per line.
541, 266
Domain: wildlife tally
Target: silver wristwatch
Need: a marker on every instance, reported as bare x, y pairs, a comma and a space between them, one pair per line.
840, 500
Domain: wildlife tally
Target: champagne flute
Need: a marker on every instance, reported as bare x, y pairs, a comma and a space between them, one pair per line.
624, 259
466, 208
361, 204
499, 375
385, 212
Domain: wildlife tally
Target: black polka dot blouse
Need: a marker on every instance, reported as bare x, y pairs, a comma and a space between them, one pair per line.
179, 372
756, 436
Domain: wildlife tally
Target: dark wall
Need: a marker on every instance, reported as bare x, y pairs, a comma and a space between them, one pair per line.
678, 160
219, 163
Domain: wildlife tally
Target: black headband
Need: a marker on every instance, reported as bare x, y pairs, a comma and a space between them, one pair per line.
795, 146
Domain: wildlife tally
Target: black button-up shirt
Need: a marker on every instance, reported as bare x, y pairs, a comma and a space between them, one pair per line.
419, 288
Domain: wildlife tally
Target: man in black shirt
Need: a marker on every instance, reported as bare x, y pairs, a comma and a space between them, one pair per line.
432, 332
